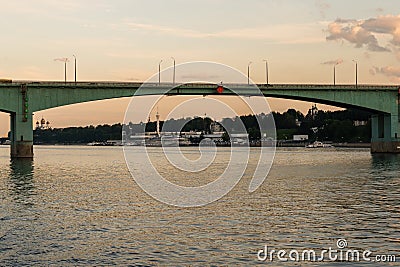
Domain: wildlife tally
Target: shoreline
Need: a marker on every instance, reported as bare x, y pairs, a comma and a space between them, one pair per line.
337, 145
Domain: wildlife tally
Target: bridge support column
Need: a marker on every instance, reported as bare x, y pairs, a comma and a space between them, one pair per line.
385, 133
21, 136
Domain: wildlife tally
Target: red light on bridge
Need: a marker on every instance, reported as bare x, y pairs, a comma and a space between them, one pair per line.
220, 89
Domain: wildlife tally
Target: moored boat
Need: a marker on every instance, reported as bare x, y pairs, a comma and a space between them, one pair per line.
318, 144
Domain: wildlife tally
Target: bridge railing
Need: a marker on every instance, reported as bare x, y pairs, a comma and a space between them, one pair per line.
112, 84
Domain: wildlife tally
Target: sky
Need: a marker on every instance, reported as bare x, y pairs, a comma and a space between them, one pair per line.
124, 40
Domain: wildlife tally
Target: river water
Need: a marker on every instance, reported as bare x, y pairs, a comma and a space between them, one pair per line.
74, 206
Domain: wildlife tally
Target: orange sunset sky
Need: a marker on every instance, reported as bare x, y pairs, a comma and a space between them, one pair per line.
125, 41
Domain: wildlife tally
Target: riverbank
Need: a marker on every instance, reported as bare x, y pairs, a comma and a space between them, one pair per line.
279, 144
303, 144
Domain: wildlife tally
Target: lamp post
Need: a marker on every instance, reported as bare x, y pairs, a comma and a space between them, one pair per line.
248, 72
65, 60
334, 74
74, 67
173, 77
355, 61
335, 63
266, 70
159, 72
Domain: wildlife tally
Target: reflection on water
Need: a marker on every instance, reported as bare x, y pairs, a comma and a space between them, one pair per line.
385, 162
81, 207
21, 180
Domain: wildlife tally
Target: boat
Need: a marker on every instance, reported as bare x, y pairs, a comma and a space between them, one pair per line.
95, 144
318, 144
7, 142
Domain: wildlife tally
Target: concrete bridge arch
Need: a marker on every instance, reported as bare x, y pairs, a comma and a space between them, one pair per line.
22, 99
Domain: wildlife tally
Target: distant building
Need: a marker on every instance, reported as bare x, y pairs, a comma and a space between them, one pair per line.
300, 137
215, 127
313, 111
42, 125
191, 134
360, 123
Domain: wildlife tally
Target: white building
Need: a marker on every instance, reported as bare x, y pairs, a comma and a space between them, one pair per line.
300, 137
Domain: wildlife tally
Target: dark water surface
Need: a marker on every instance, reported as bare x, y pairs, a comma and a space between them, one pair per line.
78, 206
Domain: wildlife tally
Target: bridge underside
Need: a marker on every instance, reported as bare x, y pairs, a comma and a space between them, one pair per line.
383, 101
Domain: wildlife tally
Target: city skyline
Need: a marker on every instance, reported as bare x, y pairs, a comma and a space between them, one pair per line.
125, 41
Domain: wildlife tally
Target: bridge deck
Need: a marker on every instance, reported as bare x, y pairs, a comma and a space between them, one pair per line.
135, 85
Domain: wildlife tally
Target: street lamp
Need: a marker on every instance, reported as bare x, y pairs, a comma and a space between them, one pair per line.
173, 77
65, 70
74, 67
355, 61
65, 60
248, 72
266, 70
159, 72
334, 73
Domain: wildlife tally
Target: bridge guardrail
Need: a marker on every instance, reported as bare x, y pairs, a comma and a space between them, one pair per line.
8, 83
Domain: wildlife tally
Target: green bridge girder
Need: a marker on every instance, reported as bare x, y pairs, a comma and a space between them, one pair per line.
45, 95
383, 101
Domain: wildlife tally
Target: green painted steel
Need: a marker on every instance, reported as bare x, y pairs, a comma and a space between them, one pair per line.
44, 95
381, 100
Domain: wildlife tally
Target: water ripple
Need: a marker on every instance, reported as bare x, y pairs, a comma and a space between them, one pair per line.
78, 206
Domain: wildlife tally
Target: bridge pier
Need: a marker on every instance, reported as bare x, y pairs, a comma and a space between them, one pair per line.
21, 136
385, 133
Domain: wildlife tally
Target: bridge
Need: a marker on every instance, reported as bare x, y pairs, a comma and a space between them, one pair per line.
22, 99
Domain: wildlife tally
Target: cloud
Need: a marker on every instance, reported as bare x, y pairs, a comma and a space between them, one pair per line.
322, 7
386, 25
354, 33
282, 33
333, 62
389, 71
366, 32
168, 30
